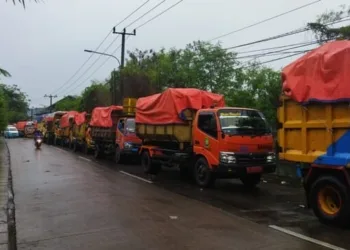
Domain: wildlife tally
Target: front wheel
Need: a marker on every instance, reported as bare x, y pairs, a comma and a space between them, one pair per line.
148, 166
330, 201
202, 173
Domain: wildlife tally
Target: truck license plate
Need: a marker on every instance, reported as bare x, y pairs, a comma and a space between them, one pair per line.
252, 170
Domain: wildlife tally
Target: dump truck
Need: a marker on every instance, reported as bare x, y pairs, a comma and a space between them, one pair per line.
113, 131
193, 130
52, 124
29, 129
66, 128
81, 137
314, 128
20, 127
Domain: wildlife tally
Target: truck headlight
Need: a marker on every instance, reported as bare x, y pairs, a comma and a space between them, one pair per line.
227, 157
271, 158
127, 145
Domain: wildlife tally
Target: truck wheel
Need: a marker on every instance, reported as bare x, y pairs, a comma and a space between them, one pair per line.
202, 174
330, 201
118, 157
251, 180
75, 146
98, 152
148, 166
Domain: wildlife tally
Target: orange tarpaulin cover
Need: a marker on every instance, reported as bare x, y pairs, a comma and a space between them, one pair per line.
102, 116
64, 121
322, 75
168, 107
80, 118
20, 125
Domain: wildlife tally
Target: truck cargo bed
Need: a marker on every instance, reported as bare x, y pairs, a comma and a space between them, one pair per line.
316, 133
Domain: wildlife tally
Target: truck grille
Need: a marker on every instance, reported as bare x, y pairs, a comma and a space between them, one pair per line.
251, 159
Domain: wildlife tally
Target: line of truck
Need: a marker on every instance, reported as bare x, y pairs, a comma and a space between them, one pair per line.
194, 131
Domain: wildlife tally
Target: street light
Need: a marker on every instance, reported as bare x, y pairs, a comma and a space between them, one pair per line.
114, 80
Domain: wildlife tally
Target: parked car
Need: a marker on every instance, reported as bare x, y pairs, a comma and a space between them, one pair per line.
11, 132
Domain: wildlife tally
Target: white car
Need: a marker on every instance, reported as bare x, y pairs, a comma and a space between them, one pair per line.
11, 132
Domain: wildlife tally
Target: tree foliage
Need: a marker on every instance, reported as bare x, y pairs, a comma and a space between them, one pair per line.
325, 32
68, 103
16, 101
96, 95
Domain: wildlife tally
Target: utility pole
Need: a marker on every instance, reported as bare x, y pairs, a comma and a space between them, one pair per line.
50, 96
123, 34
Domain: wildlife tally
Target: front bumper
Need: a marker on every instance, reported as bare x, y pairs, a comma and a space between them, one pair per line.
235, 170
131, 151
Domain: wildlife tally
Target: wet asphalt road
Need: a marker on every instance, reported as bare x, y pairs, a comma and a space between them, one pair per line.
67, 201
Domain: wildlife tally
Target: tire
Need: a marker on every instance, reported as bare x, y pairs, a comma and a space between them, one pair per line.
330, 201
203, 176
98, 152
85, 148
148, 166
75, 146
118, 157
251, 180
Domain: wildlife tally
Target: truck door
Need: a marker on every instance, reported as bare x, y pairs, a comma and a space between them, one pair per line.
120, 132
205, 138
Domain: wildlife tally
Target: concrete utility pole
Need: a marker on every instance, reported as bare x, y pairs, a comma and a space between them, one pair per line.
123, 34
50, 96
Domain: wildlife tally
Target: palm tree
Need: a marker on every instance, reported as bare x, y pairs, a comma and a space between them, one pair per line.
21, 2
4, 73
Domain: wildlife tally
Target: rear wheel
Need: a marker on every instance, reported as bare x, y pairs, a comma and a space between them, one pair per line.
330, 201
202, 174
251, 180
148, 166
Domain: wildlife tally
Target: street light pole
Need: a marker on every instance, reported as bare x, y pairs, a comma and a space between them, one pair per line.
114, 80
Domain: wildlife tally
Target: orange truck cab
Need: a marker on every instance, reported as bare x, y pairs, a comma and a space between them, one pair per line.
208, 143
113, 133
127, 143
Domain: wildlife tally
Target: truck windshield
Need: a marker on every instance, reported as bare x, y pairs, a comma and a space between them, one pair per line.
130, 125
243, 122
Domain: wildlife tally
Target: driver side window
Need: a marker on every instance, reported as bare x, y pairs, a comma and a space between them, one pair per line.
207, 123
121, 125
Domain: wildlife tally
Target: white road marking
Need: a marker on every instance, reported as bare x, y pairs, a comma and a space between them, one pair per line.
83, 158
134, 176
303, 237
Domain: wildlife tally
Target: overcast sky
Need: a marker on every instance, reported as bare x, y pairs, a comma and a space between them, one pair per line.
42, 46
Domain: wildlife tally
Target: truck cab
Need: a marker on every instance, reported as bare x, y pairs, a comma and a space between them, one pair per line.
232, 143
127, 143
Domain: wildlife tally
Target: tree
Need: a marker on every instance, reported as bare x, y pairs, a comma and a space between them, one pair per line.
3, 111
322, 30
4, 73
23, 2
17, 102
96, 95
68, 103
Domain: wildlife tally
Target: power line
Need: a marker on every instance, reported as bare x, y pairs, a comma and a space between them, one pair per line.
278, 47
156, 6
293, 32
161, 13
273, 60
148, 21
265, 20
276, 51
109, 32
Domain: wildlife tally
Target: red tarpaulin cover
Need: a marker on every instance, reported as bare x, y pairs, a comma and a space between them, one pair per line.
322, 75
80, 118
102, 116
64, 121
167, 107
20, 125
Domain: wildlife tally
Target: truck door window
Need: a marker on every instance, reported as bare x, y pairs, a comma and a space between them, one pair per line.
207, 123
121, 126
